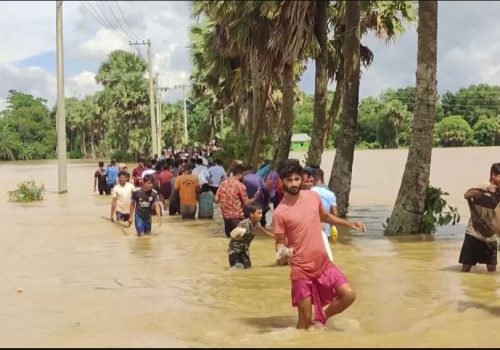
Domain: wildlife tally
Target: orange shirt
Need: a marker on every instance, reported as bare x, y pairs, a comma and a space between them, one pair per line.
188, 187
300, 222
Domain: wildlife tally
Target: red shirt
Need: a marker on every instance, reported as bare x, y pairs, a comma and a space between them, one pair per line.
136, 174
232, 194
300, 222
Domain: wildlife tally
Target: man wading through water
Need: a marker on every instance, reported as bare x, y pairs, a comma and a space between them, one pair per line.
480, 242
315, 280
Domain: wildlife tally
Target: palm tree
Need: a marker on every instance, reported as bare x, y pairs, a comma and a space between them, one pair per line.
408, 211
341, 179
386, 19
292, 40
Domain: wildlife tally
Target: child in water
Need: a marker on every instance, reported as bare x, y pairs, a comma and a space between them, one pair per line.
242, 236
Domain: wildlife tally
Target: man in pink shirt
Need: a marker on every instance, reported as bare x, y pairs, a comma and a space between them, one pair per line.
315, 280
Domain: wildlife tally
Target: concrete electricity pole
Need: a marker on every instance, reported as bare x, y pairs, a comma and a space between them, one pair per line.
61, 114
185, 116
158, 114
154, 142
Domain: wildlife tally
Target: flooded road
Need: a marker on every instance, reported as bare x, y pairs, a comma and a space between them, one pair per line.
87, 282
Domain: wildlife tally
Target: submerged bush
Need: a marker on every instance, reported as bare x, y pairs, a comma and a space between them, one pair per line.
27, 191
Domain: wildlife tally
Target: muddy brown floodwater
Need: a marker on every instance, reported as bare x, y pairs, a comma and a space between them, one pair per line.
72, 278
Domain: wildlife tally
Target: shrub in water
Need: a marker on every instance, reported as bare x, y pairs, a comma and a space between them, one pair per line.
27, 191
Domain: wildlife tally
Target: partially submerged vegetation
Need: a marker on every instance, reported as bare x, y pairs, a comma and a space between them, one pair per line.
27, 191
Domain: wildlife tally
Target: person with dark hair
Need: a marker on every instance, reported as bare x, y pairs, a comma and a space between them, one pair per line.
111, 174
480, 241
328, 198
206, 203
232, 196
217, 174
137, 172
307, 179
144, 201
165, 182
254, 183
314, 278
188, 187
100, 180
243, 235
122, 197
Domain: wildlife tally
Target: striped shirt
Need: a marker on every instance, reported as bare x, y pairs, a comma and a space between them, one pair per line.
299, 220
484, 222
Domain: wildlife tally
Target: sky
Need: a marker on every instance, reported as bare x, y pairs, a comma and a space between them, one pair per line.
468, 46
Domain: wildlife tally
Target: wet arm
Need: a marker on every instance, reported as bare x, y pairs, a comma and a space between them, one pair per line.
337, 221
113, 207
472, 193
132, 210
95, 182
266, 232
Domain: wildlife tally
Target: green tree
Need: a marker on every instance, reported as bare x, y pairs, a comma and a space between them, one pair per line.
453, 131
124, 103
393, 115
487, 131
27, 125
472, 102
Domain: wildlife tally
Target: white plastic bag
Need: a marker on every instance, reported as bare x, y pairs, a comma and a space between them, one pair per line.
327, 246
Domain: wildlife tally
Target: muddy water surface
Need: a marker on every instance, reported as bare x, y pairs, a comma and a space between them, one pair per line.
88, 282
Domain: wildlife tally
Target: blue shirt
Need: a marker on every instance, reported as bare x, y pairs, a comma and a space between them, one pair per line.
111, 174
217, 173
328, 200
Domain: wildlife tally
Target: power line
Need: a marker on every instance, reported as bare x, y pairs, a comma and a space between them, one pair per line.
96, 15
108, 21
125, 20
116, 19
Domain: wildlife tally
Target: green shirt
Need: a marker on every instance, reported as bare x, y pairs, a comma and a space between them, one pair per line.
242, 244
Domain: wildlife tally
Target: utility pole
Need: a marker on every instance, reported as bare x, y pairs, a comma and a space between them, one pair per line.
183, 87
185, 116
62, 177
154, 142
158, 114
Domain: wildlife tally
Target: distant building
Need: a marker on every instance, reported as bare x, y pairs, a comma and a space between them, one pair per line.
300, 142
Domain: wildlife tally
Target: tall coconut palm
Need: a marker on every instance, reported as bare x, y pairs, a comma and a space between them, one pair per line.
386, 19
409, 208
292, 40
320, 84
341, 179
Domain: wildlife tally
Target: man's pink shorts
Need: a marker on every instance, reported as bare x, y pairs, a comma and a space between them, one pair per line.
327, 283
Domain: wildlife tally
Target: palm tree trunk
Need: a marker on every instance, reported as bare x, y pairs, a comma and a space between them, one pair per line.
341, 176
84, 148
335, 106
256, 91
285, 136
92, 146
408, 211
320, 87
257, 135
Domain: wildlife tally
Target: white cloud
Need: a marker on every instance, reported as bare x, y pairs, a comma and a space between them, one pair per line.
82, 84
98, 47
32, 80
467, 46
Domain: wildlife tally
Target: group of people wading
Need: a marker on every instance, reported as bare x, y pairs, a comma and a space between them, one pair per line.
304, 217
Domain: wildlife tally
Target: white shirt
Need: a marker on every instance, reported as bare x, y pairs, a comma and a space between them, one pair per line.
202, 172
123, 195
148, 172
217, 174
